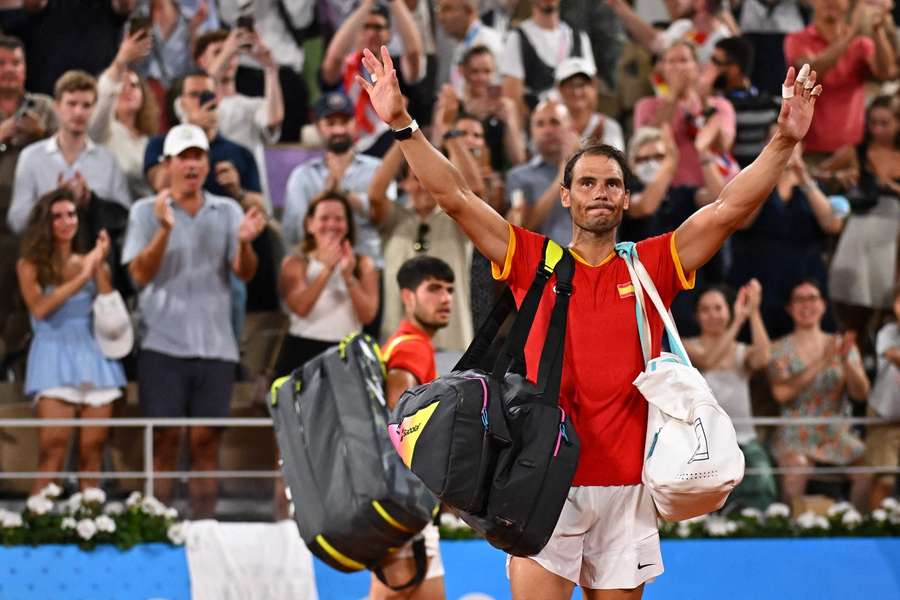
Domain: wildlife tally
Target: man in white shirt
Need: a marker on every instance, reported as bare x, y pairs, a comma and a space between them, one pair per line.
459, 19
69, 158
250, 122
541, 42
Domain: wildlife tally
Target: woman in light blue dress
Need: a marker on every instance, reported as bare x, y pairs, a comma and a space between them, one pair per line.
67, 374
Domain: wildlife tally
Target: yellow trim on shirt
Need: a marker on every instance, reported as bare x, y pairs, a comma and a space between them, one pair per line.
510, 251
599, 264
687, 283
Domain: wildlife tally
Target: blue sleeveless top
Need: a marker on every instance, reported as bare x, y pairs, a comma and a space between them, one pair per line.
64, 352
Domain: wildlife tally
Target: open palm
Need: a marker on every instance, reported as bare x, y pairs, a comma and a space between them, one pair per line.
385, 92
797, 112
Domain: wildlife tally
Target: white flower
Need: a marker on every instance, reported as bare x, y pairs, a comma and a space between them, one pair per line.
94, 495
74, 502
68, 523
880, 515
717, 527
777, 509
86, 529
731, 527
851, 518
453, 522
153, 507
114, 508
822, 522
11, 519
39, 505
51, 490
177, 533
807, 520
838, 508
134, 499
752, 513
170, 513
105, 524
890, 504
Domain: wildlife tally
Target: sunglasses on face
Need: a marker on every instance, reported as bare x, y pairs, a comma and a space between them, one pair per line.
421, 244
374, 27
720, 62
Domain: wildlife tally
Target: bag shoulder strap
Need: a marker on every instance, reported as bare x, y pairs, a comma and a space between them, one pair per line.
504, 306
555, 260
643, 283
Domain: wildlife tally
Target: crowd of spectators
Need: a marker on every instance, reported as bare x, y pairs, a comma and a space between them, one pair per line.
133, 142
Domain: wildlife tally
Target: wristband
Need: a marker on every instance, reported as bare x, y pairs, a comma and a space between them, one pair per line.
406, 132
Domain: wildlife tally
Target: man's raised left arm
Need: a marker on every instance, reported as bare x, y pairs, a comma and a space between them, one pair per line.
699, 238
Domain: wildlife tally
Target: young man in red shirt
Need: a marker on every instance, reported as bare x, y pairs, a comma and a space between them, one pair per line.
606, 539
426, 289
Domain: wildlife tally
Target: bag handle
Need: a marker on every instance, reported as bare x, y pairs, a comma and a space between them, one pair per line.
642, 283
421, 558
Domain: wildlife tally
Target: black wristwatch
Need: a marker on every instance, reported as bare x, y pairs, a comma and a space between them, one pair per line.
406, 132
454, 133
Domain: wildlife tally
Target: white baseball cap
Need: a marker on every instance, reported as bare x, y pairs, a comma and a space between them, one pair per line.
112, 325
184, 136
574, 65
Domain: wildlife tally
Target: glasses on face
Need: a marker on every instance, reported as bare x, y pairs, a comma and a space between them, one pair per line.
421, 244
642, 159
720, 62
374, 27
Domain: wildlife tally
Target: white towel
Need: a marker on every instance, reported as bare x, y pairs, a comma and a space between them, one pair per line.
249, 561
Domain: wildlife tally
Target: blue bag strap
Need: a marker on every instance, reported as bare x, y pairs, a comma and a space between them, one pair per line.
628, 252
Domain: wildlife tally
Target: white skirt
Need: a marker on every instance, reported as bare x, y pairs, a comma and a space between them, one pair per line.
87, 397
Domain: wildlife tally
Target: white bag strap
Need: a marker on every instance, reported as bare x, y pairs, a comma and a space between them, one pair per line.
642, 281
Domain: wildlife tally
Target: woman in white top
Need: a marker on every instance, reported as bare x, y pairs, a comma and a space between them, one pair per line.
126, 114
329, 291
727, 366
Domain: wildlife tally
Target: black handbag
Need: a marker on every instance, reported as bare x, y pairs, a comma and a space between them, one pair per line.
494, 447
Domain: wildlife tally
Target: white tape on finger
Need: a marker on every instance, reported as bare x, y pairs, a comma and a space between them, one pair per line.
809, 84
374, 78
787, 91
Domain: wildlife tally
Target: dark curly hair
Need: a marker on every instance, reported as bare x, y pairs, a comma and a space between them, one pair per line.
37, 240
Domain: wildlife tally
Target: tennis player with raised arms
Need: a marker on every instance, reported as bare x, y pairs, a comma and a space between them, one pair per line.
606, 540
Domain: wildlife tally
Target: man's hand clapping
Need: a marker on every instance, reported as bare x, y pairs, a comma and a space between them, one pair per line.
162, 209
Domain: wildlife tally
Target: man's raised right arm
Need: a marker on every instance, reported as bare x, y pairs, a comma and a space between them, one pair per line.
487, 229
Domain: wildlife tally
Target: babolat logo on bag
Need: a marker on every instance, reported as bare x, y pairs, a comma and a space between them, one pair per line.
495, 447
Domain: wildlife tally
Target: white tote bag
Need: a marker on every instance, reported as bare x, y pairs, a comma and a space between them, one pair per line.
692, 460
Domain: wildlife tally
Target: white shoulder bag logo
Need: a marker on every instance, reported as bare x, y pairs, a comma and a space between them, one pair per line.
692, 460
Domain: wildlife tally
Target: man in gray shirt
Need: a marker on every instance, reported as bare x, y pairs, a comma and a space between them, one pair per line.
340, 168
68, 158
534, 186
180, 247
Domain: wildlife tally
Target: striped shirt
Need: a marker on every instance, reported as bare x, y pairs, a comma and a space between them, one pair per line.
755, 112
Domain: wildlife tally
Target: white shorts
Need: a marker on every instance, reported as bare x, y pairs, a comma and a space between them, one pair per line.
606, 539
86, 396
432, 551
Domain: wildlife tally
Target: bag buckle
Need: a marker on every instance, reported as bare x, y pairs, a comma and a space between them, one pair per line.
563, 288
